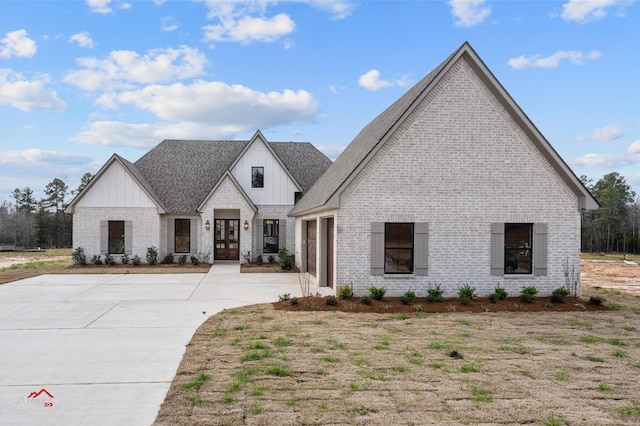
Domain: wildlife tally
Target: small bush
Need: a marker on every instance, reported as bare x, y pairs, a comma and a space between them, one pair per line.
124, 259
466, 293
109, 260
195, 260
259, 259
377, 293
152, 255
182, 259
528, 294
287, 259
293, 301
96, 259
558, 295
78, 256
271, 258
434, 294
596, 300
501, 292
135, 259
345, 292
366, 300
331, 300
493, 298
408, 297
168, 259
285, 296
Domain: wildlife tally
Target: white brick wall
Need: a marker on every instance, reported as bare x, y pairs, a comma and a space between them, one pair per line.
145, 228
460, 162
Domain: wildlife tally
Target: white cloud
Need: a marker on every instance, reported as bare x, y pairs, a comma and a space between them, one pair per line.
28, 95
83, 40
38, 157
610, 160
17, 43
331, 151
634, 148
99, 6
606, 133
200, 110
538, 61
469, 12
248, 29
584, 11
371, 81
337, 9
122, 68
167, 24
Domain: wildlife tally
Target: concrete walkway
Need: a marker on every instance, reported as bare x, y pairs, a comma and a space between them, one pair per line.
103, 349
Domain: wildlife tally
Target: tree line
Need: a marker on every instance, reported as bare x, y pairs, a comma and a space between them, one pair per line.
30, 223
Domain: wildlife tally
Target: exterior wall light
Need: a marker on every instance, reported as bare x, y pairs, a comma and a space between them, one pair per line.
246, 225
207, 225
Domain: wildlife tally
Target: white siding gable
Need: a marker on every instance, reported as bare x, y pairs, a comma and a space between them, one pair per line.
278, 189
115, 188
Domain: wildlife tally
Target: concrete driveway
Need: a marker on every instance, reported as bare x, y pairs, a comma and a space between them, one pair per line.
103, 349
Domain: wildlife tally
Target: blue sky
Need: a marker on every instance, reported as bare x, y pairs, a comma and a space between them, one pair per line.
80, 80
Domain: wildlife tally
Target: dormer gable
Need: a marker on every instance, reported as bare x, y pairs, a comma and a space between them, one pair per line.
262, 175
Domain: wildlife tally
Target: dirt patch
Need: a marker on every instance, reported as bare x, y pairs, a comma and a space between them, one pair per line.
261, 366
264, 268
618, 276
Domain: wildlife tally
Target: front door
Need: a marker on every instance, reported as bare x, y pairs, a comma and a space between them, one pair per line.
227, 239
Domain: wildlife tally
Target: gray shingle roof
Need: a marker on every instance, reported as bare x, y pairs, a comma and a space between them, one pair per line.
183, 172
356, 152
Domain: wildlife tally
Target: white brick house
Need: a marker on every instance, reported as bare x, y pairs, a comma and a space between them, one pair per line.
451, 184
225, 199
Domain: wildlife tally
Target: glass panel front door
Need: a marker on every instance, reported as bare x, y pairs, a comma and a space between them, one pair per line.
227, 239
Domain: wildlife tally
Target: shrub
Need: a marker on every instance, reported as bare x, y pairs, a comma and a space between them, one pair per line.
96, 259
286, 259
377, 293
152, 255
558, 295
168, 259
528, 294
434, 294
285, 296
294, 301
596, 300
501, 292
109, 260
78, 256
408, 297
259, 259
466, 293
345, 292
493, 297
331, 300
271, 258
182, 259
247, 256
124, 259
135, 260
366, 300
195, 260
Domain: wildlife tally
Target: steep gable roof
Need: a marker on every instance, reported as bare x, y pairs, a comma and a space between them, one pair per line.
184, 172
326, 191
133, 171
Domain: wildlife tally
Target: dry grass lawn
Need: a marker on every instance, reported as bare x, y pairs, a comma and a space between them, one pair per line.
260, 366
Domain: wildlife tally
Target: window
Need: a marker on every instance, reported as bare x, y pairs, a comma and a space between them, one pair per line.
518, 248
257, 177
116, 237
271, 235
182, 242
398, 248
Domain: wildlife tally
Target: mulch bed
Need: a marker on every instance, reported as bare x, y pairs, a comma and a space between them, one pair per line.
391, 305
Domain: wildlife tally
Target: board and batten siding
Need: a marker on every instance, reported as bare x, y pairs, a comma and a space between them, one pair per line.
115, 188
278, 189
